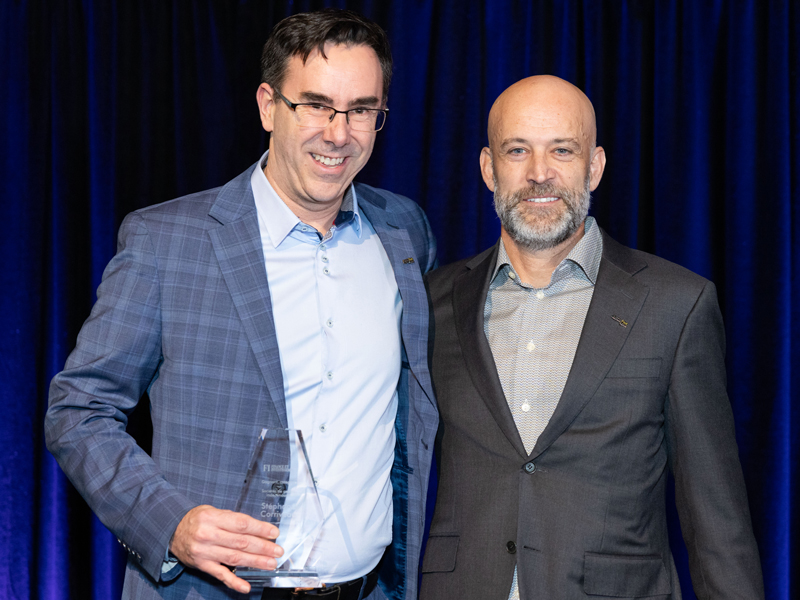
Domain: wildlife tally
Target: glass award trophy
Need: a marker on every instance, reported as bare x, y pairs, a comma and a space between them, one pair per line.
279, 487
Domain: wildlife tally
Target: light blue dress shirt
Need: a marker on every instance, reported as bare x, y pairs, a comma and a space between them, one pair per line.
337, 312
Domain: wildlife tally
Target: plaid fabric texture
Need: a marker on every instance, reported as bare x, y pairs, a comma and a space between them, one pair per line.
184, 313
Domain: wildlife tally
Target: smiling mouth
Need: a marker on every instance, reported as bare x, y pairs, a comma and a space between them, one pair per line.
328, 161
542, 200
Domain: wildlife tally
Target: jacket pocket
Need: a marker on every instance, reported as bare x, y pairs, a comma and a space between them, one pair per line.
440, 554
625, 575
635, 368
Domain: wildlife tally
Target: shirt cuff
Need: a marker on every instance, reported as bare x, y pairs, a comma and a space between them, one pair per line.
170, 568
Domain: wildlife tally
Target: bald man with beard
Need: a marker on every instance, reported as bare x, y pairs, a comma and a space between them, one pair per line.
572, 374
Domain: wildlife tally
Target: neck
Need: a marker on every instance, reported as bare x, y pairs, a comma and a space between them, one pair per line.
319, 215
535, 267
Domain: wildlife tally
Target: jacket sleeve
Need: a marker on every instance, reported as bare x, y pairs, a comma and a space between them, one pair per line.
116, 357
709, 485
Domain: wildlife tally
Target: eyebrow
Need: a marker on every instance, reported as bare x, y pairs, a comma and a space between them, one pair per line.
328, 101
365, 101
315, 97
510, 142
573, 141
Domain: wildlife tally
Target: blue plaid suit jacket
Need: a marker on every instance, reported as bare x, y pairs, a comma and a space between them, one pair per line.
184, 313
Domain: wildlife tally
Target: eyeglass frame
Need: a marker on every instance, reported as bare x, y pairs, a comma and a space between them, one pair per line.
293, 107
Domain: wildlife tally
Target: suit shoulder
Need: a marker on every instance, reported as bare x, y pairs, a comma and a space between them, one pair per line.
195, 205
447, 273
185, 218
651, 269
216, 205
387, 200
442, 278
666, 275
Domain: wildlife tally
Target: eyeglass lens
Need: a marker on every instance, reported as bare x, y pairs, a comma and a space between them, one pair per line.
359, 119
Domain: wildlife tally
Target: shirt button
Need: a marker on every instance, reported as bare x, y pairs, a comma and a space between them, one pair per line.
530, 467
329, 323
329, 375
511, 548
324, 259
525, 407
540, 294
325, 270
531, 346
322, 246
511, 275
322, 428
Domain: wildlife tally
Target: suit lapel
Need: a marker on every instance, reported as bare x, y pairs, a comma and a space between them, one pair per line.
237, 245
397, 244
617, 295
469, 298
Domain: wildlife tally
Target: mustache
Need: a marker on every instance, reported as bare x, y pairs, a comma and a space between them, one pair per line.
537, 189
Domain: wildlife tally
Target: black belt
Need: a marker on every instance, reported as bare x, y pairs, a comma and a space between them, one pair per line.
349, 590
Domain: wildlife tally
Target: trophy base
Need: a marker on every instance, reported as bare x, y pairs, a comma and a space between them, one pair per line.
280, 579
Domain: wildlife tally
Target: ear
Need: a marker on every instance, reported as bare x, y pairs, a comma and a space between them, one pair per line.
266, 105
487, 170
596, 167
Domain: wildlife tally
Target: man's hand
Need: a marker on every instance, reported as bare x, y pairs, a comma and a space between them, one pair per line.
208, 539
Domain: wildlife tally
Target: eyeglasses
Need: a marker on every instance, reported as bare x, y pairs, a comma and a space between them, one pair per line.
313, 114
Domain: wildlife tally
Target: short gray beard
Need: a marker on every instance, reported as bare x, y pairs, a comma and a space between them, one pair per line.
553, 227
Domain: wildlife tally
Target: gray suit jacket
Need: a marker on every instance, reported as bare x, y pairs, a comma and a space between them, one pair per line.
184, 313
584, 514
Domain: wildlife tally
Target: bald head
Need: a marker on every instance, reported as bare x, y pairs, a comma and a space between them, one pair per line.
545, 102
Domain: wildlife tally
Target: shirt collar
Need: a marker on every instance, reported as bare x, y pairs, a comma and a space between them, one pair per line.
282, 220
586, 254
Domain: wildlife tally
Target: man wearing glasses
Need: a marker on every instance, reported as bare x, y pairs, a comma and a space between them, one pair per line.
291, 298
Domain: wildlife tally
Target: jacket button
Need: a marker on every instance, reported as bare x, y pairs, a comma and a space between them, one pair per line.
511, 548
530, 467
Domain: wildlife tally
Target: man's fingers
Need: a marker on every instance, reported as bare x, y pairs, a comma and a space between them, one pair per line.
232, 544
230, 521
208, 538
241, 523
235, 550
263, 559
225, 576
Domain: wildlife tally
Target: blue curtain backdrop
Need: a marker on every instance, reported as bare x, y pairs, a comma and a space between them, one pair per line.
109, 106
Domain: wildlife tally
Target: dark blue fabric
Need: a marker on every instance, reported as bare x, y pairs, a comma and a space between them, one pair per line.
108, 106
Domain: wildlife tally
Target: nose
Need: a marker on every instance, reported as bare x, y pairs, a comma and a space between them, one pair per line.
539, 169
337, 131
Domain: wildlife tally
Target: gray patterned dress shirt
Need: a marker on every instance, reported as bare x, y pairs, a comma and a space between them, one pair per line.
533, 334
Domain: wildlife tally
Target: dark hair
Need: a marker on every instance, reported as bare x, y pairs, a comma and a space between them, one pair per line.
304, 32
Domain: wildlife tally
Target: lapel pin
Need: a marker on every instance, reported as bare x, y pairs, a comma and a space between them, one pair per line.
408, 261
620, 321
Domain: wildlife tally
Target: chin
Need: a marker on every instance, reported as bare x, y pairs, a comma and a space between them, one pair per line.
327, 193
